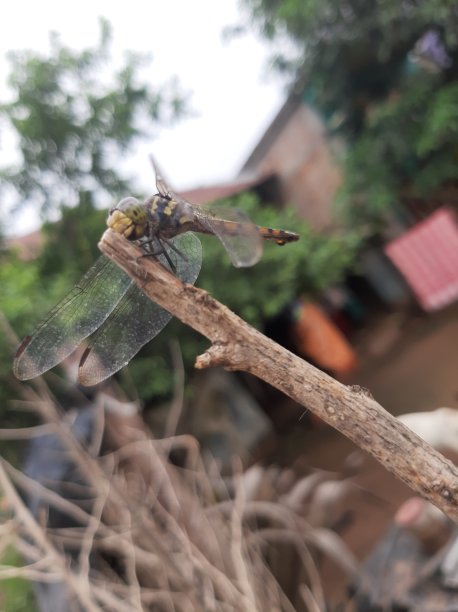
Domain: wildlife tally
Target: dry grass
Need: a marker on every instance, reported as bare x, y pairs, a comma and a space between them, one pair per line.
150, 535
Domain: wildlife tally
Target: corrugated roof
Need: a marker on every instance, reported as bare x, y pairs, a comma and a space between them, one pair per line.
28, 246
211, 193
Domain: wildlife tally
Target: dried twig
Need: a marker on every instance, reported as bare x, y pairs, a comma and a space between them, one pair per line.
55, 559
237, 346
176, 406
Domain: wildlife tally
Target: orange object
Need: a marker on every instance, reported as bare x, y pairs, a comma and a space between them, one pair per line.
318, 338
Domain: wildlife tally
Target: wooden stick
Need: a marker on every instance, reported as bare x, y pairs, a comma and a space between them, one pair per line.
238, 346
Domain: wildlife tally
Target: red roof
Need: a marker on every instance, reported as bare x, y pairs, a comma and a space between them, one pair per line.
28, 246
211, 193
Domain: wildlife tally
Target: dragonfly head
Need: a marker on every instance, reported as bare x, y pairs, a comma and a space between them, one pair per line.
128, 218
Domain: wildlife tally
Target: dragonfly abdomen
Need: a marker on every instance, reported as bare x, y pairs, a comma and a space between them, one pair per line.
279, 236
234, 228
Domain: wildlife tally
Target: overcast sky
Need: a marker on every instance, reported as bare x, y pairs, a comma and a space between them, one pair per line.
231, 92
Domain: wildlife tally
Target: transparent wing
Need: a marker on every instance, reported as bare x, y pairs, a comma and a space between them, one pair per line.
136, 319
77, 316
237, 233
161, 186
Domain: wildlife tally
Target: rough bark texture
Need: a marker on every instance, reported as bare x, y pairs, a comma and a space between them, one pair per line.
238, 346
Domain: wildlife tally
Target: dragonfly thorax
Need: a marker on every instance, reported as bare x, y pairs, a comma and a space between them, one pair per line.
168, 217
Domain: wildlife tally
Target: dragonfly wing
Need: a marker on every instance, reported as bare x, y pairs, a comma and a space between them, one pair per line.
134, 322
77, 316
136, 319
237, 233
161, 186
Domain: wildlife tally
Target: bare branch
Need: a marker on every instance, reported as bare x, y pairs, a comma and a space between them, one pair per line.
237, 346
26, 433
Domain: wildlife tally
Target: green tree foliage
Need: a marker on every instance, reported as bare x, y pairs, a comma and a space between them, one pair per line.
305, 267
362, 65
74, 117
409, 146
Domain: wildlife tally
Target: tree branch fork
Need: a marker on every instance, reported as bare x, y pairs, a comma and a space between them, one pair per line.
238, 346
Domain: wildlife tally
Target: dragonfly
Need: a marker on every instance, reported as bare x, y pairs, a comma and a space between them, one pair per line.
107, 307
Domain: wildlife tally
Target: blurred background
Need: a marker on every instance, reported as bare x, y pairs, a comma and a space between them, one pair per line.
335, 120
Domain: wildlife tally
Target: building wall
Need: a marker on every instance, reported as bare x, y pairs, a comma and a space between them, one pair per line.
301, 158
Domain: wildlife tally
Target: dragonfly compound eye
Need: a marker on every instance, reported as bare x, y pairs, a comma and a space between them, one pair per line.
129, 219
127, 203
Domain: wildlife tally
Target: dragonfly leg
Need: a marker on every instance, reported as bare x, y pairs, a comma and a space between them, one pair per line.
152, 252
170, 262
175, 249
161, 250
